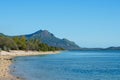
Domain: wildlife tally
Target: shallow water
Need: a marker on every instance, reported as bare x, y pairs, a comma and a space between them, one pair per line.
69, 65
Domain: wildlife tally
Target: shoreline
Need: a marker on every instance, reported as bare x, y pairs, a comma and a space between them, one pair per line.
6, 61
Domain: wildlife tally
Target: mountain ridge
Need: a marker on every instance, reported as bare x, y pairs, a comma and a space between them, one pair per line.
49, 37
46, 37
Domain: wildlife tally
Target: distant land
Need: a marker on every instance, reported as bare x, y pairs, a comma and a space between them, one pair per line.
50, 39
109, 48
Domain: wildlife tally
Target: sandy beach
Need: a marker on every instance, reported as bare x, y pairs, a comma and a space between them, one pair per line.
6, 61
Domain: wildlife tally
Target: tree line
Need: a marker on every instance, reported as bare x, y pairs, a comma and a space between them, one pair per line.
21, 43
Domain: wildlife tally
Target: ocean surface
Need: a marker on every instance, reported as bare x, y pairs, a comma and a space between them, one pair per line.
69, 65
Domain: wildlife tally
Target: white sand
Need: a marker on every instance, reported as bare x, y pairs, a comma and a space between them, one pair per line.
25, 53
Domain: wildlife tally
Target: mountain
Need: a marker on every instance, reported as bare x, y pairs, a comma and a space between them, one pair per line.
108, 48
1, 34
49, 38
113, 48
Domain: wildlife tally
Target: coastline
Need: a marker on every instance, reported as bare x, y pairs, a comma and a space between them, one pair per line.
6, 61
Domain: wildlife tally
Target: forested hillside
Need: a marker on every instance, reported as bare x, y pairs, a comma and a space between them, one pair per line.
21, 43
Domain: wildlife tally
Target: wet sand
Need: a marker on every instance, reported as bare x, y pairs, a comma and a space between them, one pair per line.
6, 61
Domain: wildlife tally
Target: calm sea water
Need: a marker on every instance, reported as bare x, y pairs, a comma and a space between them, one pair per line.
69, 65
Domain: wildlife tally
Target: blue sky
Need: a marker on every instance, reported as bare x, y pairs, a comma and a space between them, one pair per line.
90, 23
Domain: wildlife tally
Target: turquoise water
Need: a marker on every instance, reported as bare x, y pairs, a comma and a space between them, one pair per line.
69, 65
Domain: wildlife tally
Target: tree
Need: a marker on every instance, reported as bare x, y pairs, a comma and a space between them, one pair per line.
7, 42
21, 42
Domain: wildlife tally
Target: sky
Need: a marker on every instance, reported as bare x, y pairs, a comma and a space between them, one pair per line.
89, 23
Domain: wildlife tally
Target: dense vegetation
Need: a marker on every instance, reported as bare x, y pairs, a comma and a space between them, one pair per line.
21, 43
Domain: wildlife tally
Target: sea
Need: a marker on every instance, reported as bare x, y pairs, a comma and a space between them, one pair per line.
69, 65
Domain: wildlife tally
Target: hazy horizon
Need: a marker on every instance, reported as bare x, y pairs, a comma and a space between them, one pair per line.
89, 23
